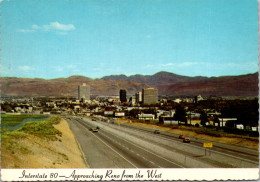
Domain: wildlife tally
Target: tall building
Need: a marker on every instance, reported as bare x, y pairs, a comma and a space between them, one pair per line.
84, 92
138, 97
150, 95
122, 94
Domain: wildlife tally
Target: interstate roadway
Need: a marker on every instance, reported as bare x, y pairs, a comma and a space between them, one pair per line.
125, 146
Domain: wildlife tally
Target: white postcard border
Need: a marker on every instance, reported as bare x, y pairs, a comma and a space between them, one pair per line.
158, 174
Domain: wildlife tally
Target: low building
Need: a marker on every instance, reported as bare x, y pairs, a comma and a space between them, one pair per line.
167, 120
145, 116
119, 114
223, 121
109, 113
240, 126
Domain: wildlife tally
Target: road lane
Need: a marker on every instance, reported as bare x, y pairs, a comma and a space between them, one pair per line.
145, 157
196, 152
96, 153
136, 155
242, 152
145, 149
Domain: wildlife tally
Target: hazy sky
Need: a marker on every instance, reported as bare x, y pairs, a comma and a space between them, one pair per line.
94, 38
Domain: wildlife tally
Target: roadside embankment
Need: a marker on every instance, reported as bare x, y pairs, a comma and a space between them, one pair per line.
45, 144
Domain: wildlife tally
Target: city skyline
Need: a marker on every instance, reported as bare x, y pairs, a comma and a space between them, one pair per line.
52, 39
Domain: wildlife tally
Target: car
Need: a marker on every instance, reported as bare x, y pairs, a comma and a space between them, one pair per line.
95, 130
90, 129
156, 132
186, 140
181, 137
93, 120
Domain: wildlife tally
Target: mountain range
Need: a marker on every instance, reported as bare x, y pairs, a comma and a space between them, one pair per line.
166, 82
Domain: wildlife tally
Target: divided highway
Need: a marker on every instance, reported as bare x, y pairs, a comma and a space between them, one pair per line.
105, 150
126, 146
232, 150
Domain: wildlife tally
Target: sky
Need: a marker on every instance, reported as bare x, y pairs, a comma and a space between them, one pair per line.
95, 38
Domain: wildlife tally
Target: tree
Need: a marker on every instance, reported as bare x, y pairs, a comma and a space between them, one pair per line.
134, 112
216, 120
6, 107
203, 118
180, 114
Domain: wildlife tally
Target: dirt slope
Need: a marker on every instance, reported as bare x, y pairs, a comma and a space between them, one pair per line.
40, 153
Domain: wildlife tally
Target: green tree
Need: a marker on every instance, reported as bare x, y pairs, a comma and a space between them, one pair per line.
134, 112
216, 120
180, 114
6, 107
203, 118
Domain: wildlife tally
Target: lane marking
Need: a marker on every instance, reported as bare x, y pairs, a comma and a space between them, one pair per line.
115, 151
218, 152
127, 148
147, 151
82, 153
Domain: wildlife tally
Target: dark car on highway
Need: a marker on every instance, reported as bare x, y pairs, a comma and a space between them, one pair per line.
156, 132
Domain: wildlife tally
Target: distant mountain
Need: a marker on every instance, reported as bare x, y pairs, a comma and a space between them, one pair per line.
173, 84
65, 86
167, 84
159, 79
244, 85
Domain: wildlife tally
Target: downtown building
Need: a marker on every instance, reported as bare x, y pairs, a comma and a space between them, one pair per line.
84, 92
149, 96
122, 95
138, 97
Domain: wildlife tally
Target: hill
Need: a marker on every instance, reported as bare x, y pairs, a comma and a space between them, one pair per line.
244, 85
65, 86
167, 84
156, 80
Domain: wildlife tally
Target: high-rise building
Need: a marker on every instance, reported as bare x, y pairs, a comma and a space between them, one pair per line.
138, 97
150, 96
122, 94
84, 92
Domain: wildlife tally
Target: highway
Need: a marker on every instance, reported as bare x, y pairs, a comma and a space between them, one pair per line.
126, 146
237, 151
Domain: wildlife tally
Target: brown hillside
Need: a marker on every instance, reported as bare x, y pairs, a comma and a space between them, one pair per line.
167, 84
64, 86
245, 85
